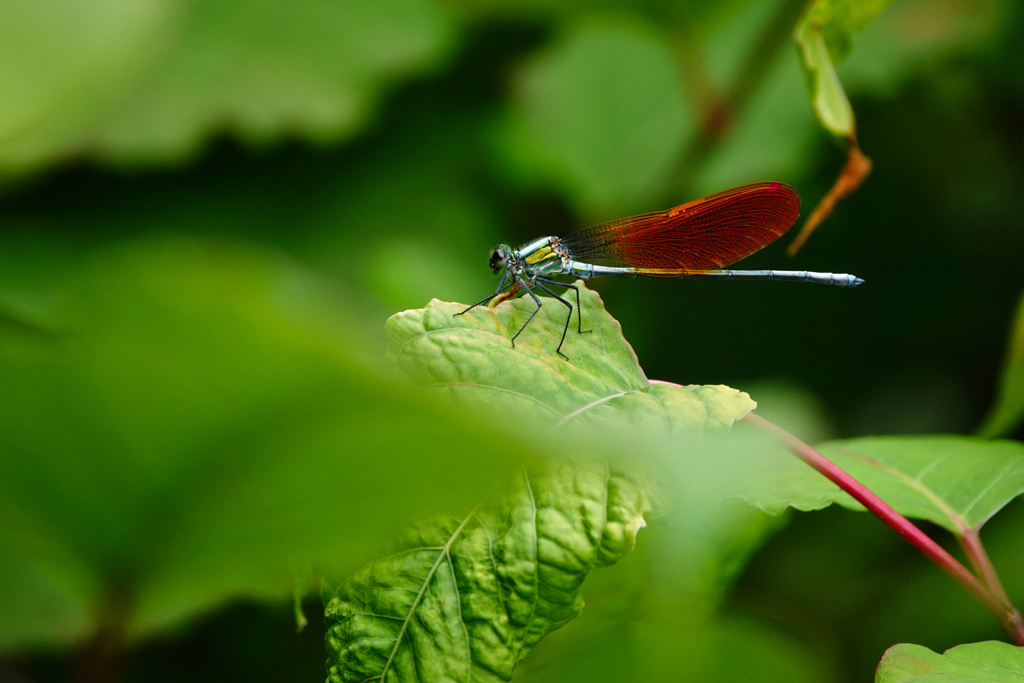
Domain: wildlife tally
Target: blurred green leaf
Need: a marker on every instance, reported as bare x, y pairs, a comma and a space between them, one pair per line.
656, 614
268, 70
560, 10
64, 65
971, 663
777, 112
896, 46
468, 600
913, 37
1009, 407
600, 114
828, 101
793, 406
824, 37
172, 76
839, 20
471, 358
660, 642
955, 482
206, 417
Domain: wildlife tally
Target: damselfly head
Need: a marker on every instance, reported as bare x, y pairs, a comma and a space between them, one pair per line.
499, 257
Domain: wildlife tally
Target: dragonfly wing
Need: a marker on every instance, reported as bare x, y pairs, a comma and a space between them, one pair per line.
706, 234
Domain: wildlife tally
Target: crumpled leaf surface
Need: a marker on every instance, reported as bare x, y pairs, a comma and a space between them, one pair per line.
471, 358
467, 600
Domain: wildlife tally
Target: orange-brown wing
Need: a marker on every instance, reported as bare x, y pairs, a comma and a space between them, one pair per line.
706, 234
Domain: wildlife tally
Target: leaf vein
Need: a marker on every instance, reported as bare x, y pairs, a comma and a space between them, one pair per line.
977, 499
419, 596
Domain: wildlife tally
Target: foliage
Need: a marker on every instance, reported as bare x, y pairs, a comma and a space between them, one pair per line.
470, 357
977, 661
209, 210
470, 599
957, 483
153, 80
825, 38
213, 395
585, 86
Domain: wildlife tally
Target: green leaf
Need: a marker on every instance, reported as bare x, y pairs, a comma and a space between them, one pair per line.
990, 662
472, 360
468, 600
1009, 408
839, 20
892, 50
654, 617
776, 111
204, 417
955, 482
828, 101
600, 115
661, 642
171, 76
824, 36
272, 71
64, 65
567, 10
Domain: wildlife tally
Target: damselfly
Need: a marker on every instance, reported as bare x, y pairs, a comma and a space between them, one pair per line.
695, 240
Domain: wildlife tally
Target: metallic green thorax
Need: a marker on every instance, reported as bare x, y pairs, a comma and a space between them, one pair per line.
542, 257
529, 268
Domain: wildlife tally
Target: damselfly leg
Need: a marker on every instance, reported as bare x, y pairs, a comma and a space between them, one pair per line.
501, 286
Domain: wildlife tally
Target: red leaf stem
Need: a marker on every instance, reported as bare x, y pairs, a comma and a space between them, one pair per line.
995, 603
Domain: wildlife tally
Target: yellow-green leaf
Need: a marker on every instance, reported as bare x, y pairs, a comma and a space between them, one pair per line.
824, 36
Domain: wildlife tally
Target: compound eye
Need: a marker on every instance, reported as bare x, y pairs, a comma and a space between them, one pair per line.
497, 260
